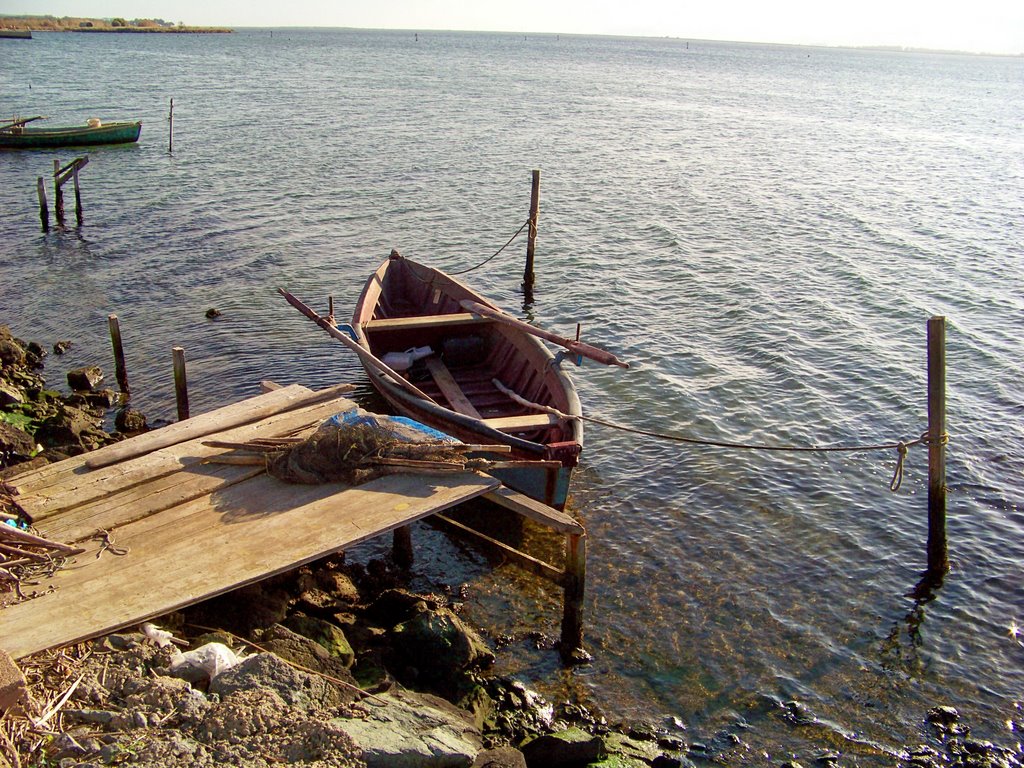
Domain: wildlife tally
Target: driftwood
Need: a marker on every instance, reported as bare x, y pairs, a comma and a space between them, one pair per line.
25, 556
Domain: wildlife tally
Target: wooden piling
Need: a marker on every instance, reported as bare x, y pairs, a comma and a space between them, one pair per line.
78, 196
401, 547
938, 556
115, 340
574, 584
44, 209
58, 199
531, 242
180, 383
170, 130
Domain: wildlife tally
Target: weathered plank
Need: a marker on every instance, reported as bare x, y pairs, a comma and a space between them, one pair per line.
450, 388
75, 487
535, 510
526, 421
425, 321
214, 544
236, 414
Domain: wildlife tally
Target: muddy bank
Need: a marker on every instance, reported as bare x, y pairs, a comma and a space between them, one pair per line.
333, 664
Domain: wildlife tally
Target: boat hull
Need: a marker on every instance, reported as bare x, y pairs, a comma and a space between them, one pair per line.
50, 138
407, 305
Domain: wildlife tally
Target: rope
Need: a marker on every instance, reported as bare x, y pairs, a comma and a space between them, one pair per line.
900, 446
519, 231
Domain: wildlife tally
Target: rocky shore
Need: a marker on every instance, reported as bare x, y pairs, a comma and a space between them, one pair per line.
334, 664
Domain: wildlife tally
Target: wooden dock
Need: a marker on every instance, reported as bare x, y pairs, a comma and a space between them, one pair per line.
162, 529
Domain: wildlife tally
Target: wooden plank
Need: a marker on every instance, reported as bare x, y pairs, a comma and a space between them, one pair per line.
527, 562
535, 510
113, 511
526, 421
425, 321
203, 548
76, 486
236, 414
449, 387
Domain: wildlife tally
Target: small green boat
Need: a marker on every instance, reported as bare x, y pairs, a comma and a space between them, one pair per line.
16, 135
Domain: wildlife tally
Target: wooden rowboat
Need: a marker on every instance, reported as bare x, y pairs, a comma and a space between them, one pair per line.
474, 375
17, 135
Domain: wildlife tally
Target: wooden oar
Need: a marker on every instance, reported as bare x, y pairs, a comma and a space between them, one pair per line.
367, 356
16, 123
576, 347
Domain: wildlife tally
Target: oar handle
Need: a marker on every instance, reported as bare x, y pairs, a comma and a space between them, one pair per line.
577, 347
371, 359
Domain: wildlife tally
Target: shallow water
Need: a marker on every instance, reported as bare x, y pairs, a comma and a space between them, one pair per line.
762, 231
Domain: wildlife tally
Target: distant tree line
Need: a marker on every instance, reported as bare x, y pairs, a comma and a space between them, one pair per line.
77, 24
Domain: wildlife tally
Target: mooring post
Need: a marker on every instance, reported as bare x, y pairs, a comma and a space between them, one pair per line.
938, 556
574, 585
401, 547
58, 200
44, 209
170, 130
531, 241
78, 195
180, 383
119, 366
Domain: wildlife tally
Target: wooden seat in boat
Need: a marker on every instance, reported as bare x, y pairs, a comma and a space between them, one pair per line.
423, 321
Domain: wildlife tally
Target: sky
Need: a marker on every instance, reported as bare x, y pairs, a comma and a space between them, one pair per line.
989, 26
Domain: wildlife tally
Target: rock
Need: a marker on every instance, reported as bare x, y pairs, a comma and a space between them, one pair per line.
16, 445
414, 731
12, 354
85, 379
298, 649
633, 751
439, 646
501, 757
330, 637
212, 313
394, 606
10, 395
130, 421
60, 347
265, 670
565, 749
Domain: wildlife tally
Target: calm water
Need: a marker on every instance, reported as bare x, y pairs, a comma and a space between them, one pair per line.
762, 231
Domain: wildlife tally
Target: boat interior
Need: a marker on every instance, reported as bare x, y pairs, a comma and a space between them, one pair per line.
455, 356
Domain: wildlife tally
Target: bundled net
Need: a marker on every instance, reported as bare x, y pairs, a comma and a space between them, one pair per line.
356, 447
355, 453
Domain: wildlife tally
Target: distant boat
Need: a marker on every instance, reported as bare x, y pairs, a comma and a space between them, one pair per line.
16, 34
16, 135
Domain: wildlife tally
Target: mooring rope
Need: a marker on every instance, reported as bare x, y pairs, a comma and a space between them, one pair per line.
482, 263
495, 254
899, 446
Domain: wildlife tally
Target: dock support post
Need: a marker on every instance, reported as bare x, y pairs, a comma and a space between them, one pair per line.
44, 209
170, 130
401, 547
571, 644
180, 383
531, 242
58, 193
119, 366
938, 558
78, 196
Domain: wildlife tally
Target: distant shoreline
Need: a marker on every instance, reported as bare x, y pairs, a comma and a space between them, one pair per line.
115, 25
